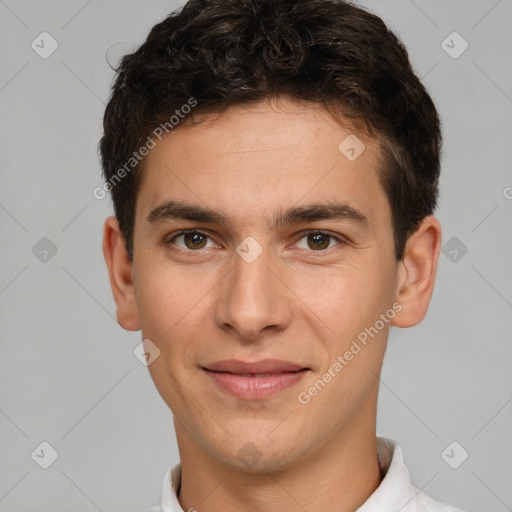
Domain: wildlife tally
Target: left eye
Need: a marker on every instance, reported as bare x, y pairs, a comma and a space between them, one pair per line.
319, 240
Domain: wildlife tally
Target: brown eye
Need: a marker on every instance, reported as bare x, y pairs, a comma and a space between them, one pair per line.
192, 240
319, 241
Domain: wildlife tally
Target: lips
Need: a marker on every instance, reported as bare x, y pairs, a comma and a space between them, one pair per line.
254, 380
258, 367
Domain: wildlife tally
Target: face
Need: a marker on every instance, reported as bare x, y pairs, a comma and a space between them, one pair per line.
288, 256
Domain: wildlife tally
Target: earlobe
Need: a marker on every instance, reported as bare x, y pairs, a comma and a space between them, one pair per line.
417, 273
120, 275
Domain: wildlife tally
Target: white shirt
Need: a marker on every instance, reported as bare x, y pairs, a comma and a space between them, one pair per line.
394, 494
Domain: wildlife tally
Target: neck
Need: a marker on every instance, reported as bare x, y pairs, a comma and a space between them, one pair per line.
339, 477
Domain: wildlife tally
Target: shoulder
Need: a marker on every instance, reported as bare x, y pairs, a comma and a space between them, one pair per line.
396, 490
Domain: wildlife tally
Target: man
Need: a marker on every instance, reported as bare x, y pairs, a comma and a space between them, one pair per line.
274, 168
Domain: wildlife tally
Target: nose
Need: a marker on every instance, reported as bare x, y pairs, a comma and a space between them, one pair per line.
252, 298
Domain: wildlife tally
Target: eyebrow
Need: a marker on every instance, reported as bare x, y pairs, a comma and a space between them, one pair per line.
179, 210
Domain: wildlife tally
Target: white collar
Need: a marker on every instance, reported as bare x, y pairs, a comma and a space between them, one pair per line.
395, 492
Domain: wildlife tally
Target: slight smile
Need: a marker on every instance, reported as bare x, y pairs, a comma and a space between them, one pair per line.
255, 380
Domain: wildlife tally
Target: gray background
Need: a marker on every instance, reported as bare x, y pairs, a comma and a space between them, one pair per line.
68, 375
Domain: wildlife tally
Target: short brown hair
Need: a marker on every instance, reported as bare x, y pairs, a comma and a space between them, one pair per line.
223, 53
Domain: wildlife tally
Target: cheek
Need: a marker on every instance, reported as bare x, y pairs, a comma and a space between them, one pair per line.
166, 299
356, 350
348, 305
172, 306
348, 297
168, 308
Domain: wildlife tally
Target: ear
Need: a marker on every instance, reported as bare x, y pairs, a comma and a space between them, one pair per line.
417, 273
120, 275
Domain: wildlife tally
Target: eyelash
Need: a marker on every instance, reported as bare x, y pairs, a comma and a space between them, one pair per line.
340, 240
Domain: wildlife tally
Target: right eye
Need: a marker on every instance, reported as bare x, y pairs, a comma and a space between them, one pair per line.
192, 240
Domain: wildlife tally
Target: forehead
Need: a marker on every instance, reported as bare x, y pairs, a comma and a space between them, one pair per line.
256, 159
282, 125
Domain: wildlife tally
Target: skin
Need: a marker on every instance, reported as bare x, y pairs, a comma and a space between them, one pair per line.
294, 302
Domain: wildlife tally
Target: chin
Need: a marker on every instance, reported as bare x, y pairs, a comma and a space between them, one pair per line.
257, 457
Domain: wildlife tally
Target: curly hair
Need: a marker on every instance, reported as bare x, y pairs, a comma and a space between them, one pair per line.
223, 53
